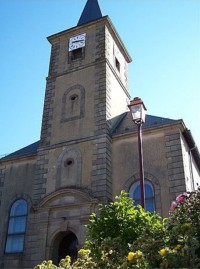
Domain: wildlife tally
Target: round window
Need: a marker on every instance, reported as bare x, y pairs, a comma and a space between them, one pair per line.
68, 162
74, 97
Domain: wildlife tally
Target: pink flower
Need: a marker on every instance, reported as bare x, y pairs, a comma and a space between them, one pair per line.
173, 206
181, 197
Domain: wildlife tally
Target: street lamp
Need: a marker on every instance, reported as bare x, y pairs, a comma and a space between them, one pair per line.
138, 111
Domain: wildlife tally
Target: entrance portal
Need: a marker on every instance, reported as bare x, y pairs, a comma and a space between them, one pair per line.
65, 244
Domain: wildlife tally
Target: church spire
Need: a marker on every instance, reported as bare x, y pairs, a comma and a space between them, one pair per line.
91, 12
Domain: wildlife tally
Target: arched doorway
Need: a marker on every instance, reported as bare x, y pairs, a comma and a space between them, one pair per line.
64, 244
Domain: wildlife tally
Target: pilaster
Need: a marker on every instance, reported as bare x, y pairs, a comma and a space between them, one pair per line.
2, 179
40, 177
48, 113
175, 165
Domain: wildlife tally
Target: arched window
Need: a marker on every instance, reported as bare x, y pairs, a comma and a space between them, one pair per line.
134, 193
73, 103
16, 227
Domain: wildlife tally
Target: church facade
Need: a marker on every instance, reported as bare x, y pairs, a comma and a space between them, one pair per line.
88, 149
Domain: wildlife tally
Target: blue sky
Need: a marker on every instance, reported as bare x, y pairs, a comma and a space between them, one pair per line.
162, 36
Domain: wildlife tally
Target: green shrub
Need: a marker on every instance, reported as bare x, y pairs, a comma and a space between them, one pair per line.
119, 227
124, 236
183, 233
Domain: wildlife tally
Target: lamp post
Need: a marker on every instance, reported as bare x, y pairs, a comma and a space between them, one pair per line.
138, 111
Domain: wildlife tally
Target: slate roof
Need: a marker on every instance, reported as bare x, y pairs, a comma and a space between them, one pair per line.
124, 123
26, 151
91, 12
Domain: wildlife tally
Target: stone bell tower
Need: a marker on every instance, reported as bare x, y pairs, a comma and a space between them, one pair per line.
60, 181
86, 90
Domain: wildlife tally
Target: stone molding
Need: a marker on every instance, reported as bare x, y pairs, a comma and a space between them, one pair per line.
83, 194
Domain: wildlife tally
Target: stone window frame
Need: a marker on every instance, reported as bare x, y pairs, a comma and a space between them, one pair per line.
73, 154
68, 97
155, 183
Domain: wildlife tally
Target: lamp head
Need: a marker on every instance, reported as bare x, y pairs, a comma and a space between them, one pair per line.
138, 110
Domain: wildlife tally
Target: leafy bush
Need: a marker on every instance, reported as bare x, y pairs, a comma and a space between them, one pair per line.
124, 236
121, 226
183, 232
64, 264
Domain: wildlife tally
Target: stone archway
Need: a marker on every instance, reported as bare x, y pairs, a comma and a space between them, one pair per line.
65, 243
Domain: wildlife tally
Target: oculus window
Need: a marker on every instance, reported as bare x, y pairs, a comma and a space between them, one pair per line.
16, 227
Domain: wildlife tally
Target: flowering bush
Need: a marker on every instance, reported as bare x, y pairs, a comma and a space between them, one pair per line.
121, 227
64, 264
182, 234
123, 236
84, 261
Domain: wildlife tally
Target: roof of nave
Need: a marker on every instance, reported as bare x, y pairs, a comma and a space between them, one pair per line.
124, 123
24, 152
